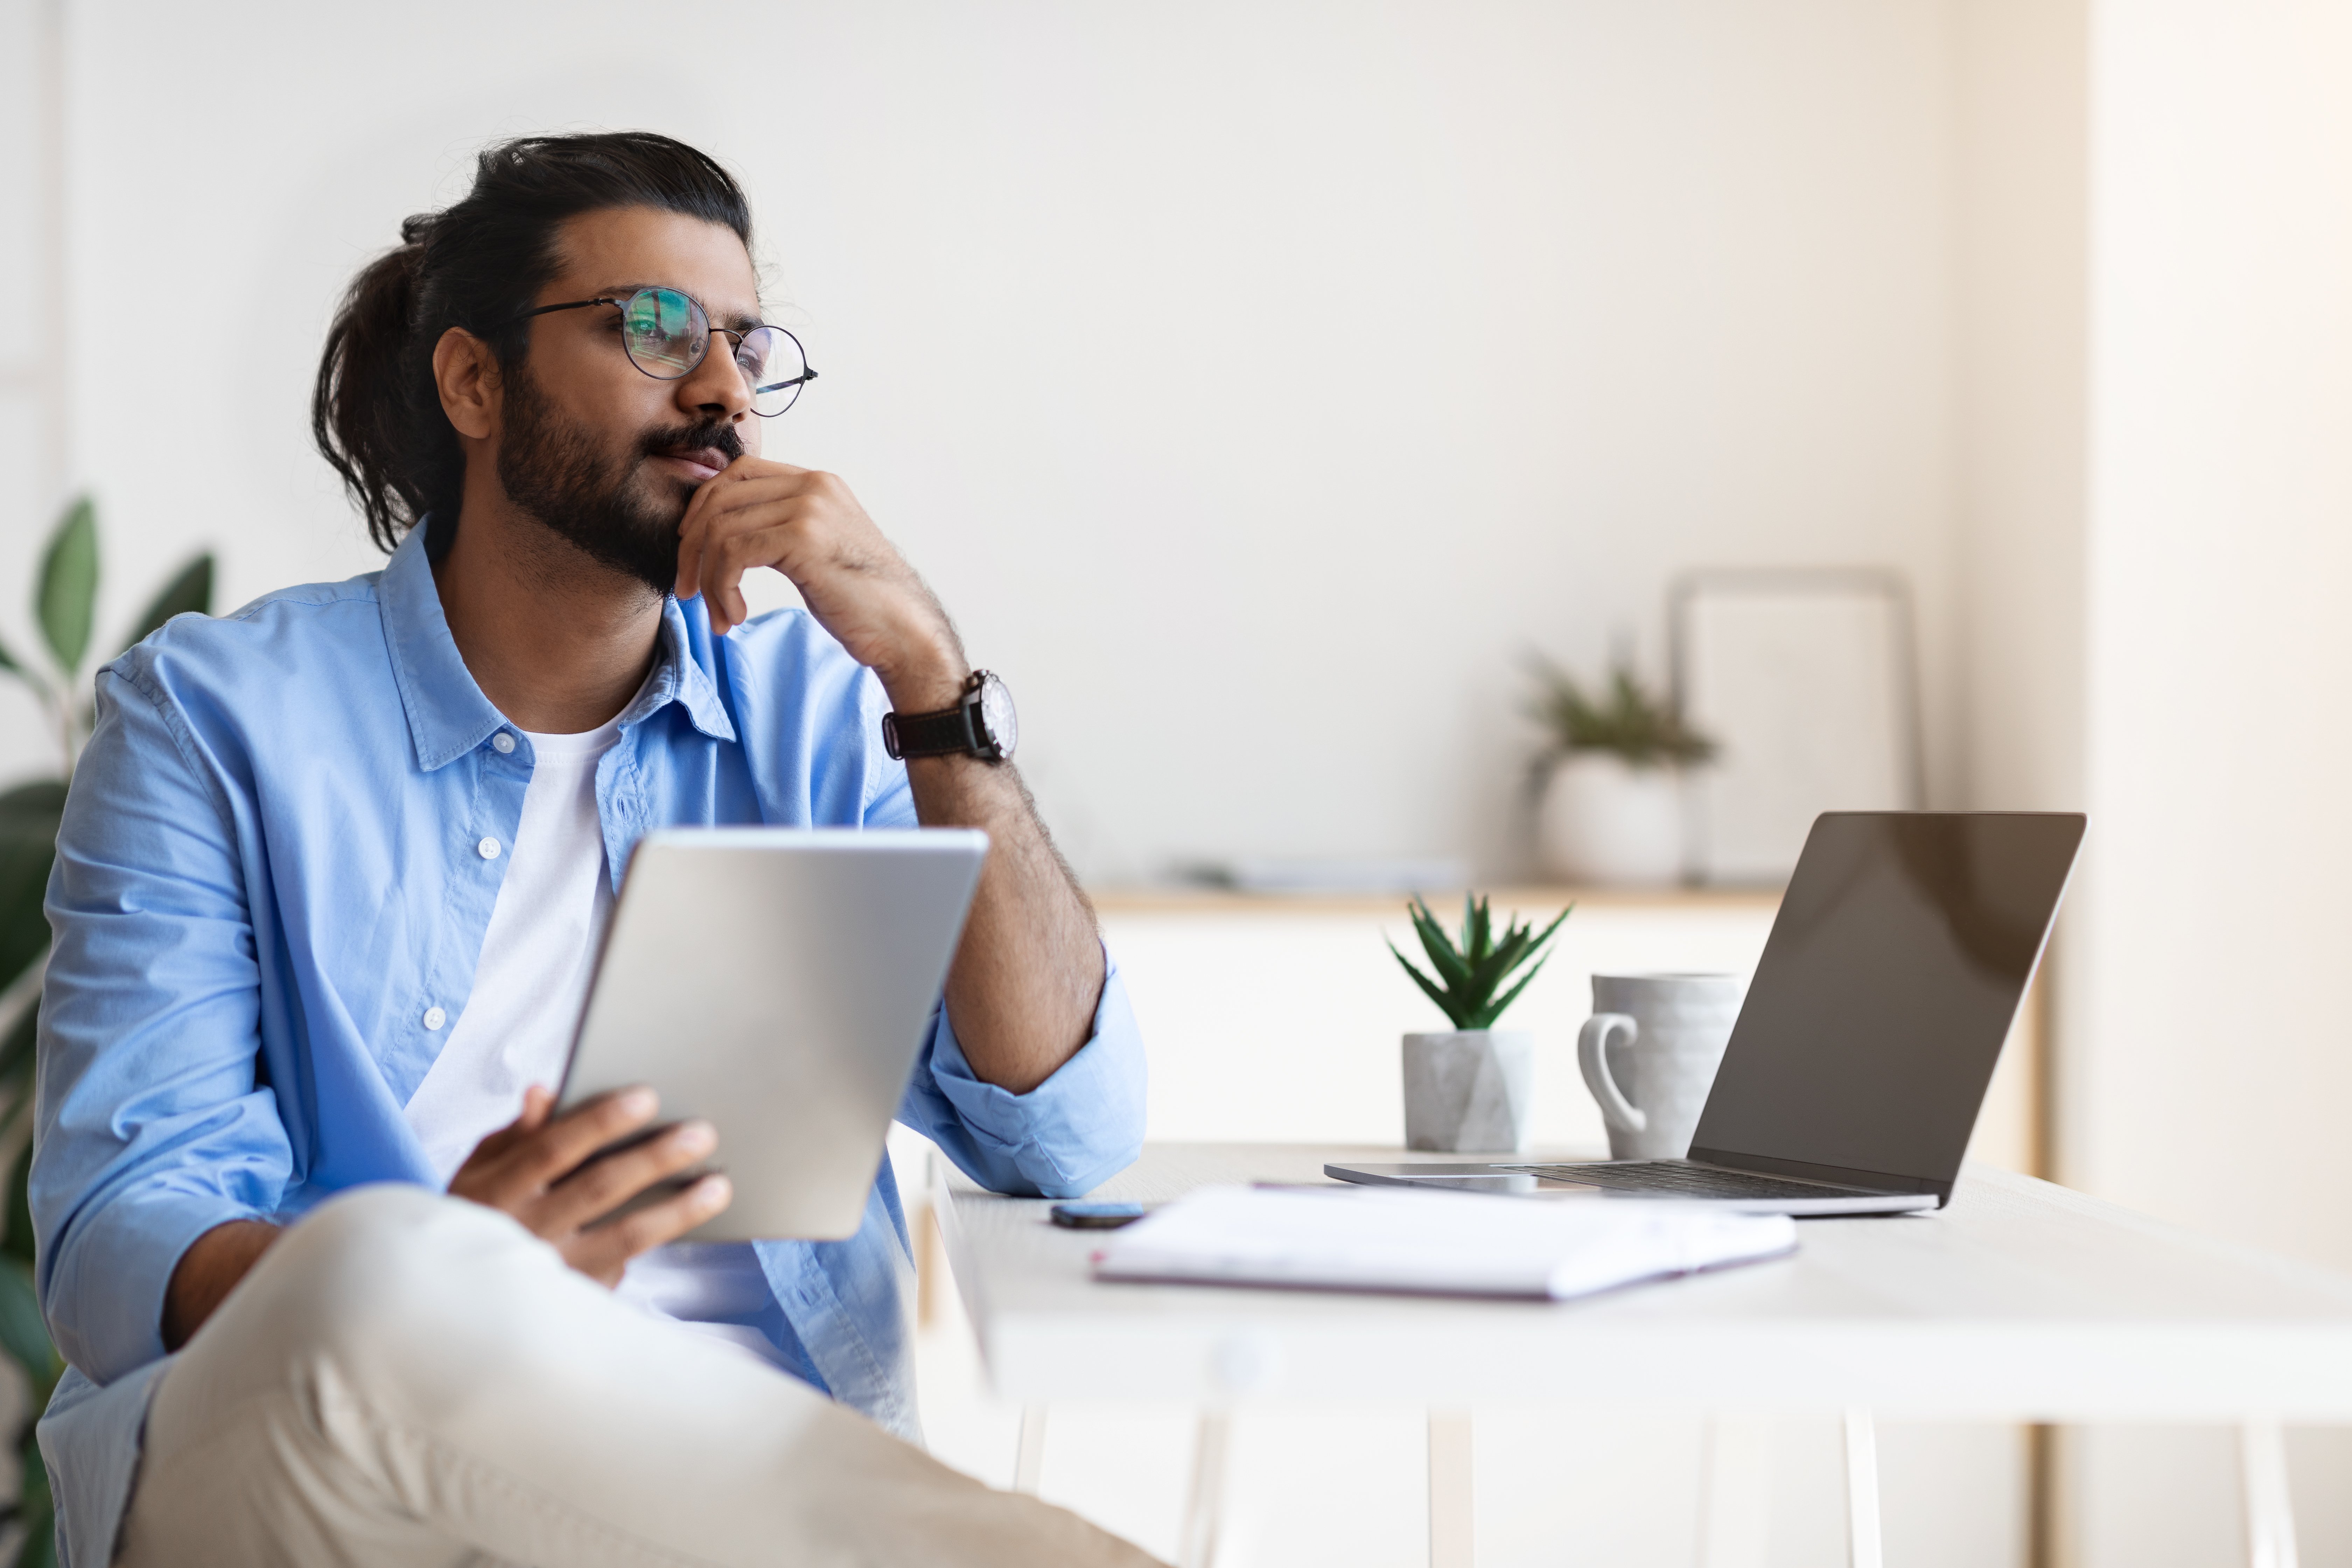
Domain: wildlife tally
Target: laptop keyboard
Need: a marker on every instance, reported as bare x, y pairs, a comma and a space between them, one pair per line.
1686, 1180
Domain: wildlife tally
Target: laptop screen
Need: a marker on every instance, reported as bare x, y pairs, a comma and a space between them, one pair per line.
1890, 980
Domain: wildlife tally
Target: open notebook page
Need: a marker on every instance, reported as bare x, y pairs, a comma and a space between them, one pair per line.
1370, 1238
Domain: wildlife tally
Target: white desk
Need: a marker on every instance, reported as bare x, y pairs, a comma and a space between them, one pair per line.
2021, 1301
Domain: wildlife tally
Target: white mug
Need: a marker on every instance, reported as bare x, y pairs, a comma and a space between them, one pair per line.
1668, 1032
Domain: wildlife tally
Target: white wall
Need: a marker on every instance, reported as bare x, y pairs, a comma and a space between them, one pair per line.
28, 436
1255, 382
2022, 345
2206, 1064
2222, 546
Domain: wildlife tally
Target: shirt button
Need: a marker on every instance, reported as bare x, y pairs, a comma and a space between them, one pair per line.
434, 1017
488, 848
502, 742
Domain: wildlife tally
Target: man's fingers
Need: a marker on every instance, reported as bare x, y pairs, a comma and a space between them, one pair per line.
724, 562
692, 530
552, 1151
747, 466
717, 509
485, 1165
776, 540
689, 555
536, 1103
603, 1252
732, 491
603, 1185
753, 514
726, 495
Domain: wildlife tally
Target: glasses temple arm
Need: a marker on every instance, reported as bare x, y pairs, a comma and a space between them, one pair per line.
567, 305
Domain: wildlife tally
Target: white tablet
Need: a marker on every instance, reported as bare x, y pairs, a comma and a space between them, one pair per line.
778, 983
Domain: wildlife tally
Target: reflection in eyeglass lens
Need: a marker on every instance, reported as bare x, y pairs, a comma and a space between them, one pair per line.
664, 331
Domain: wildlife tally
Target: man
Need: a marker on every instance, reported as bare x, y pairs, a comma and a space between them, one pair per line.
326, 900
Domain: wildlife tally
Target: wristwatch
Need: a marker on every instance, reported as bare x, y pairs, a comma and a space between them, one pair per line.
982, 724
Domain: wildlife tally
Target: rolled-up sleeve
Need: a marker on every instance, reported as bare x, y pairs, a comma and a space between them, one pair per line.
152, 1125
1070, 1134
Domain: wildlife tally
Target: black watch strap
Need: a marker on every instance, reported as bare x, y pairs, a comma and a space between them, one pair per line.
944, 733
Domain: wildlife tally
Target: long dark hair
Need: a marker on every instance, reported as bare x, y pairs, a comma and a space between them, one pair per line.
375, 413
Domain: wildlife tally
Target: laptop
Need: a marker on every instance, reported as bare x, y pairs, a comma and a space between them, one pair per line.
1861, 1057
777, 982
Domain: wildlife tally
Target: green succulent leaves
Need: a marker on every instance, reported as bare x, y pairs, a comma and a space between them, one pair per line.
1644, 730
65, 609
65, 598
1470, 972
28, 835
191, 591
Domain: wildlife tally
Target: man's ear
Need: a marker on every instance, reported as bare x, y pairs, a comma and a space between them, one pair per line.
467, 373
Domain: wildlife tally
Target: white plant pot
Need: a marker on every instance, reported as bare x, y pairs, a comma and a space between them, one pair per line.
1468, 1091
1604, 822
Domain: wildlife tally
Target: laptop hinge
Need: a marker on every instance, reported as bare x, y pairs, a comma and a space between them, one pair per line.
1837, 1175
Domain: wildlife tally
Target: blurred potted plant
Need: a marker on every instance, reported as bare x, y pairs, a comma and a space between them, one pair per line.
1469, 1088
64, 603
1610, 810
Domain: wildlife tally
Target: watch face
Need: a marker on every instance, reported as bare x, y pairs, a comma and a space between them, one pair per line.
996, 713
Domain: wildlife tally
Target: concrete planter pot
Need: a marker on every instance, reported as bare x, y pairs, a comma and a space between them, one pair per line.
1604, 822
1468, 1091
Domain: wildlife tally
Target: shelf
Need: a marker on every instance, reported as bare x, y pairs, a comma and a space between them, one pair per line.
1222, 902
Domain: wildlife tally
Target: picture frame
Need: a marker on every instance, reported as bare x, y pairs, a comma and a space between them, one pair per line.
1807, 682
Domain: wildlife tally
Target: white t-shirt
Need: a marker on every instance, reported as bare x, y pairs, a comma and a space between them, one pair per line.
538, 957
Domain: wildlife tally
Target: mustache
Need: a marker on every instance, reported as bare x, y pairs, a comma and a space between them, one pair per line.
718, 437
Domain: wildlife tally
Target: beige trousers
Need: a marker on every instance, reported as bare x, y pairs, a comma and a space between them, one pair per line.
408, 1379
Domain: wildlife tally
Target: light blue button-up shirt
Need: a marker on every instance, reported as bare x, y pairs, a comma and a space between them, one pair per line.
269, 875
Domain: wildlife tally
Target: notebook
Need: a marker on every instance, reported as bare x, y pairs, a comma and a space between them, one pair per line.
1428, 1243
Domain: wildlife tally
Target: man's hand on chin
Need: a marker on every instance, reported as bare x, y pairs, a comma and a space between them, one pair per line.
807, 525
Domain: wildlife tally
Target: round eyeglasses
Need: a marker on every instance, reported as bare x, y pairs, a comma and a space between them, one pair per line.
666, 333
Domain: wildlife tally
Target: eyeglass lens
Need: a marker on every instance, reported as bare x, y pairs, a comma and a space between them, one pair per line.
666, 334
771, 362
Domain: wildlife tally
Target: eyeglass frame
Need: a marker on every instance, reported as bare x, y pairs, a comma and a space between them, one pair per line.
808, 371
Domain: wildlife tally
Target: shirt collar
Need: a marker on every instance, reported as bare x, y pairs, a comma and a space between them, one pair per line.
683, 673
447, 714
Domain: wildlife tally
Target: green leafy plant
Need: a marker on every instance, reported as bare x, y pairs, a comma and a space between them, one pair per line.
65, 609
1468, 972
1627, 719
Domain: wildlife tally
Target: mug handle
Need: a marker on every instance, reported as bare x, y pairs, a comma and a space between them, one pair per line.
1592, 1056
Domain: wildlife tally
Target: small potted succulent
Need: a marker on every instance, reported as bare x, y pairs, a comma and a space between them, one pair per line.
1469, 1088
1611, 810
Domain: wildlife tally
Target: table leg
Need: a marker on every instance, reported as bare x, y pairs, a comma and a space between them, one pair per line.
1204, 1508
1029, 1459
1863, 1544
2270, 1511
1451, 1543
1734, 1520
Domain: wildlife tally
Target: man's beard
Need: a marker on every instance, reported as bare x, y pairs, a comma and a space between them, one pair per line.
588, 495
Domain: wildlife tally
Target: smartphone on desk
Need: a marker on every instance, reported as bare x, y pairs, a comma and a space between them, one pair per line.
1096, 1215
